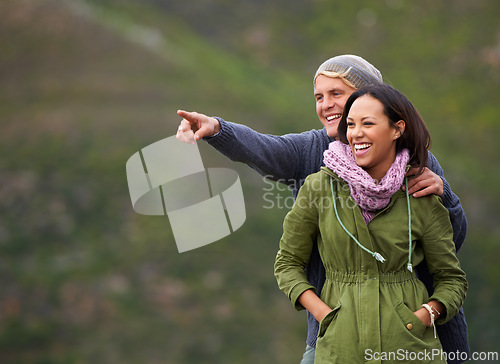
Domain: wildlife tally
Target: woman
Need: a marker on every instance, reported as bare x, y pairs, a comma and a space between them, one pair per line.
370, 234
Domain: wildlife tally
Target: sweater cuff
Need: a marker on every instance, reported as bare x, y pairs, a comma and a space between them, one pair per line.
225, 133
296, 291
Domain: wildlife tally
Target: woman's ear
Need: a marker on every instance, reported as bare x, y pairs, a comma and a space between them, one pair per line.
400, 128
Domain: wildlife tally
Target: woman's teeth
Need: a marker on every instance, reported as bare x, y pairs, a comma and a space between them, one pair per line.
362, 146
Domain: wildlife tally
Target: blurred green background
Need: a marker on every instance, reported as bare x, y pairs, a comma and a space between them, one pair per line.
86, 84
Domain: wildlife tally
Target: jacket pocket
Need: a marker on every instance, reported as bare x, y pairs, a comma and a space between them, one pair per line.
327, 320
411, 322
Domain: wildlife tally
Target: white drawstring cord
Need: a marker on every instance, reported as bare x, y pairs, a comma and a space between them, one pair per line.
409, 266
376, 255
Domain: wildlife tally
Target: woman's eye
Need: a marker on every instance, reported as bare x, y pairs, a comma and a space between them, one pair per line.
350, 124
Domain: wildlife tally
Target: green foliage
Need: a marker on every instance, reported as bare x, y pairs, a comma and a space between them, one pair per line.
85, 84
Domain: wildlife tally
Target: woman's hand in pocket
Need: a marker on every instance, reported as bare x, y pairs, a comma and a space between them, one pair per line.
314, 305
323, 313
423, 315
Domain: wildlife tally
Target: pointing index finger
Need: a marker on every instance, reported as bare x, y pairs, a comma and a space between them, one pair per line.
182, 113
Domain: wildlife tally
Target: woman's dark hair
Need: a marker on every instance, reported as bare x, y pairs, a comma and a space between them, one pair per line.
416, 137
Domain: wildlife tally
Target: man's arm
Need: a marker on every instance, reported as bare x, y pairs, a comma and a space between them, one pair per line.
432, 181
286, 158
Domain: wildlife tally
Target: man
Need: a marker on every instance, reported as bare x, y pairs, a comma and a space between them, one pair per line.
291, 158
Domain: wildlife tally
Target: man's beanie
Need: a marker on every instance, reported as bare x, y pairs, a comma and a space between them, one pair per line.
353, 68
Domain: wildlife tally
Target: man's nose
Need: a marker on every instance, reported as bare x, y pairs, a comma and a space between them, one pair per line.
328, 103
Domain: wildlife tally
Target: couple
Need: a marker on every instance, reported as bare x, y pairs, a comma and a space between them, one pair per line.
348, 241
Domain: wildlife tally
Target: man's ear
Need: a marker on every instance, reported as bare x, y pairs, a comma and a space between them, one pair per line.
400, 128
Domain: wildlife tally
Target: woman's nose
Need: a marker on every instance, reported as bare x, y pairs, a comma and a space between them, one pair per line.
357, 131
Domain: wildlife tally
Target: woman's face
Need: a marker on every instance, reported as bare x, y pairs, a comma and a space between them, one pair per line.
331, 95
371, 136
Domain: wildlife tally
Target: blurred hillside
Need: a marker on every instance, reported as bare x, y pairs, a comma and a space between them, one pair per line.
85, 84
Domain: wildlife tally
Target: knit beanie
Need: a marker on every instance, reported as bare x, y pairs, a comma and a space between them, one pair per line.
353, 68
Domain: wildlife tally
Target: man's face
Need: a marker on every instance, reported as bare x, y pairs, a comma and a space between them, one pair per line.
331, 95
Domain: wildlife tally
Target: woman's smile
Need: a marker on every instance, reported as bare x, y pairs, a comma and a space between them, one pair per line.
361, 149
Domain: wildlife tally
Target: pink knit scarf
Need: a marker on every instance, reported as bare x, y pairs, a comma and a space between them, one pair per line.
369, 195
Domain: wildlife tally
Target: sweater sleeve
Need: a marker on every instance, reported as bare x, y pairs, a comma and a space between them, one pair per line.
452, 204
450, 284
300, 230
285, 159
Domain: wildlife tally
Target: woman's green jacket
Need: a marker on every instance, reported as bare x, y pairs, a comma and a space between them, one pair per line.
372, 303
